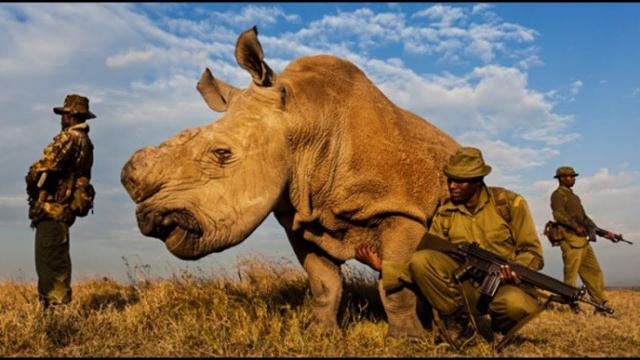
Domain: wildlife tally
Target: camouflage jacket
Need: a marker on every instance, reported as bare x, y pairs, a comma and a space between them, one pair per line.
68, 157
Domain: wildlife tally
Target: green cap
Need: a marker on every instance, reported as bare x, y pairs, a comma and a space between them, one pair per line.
564, 171
466, 163
75, 105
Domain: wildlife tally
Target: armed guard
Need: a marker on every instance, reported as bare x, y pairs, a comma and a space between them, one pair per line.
496, 219
59, 190
578, 230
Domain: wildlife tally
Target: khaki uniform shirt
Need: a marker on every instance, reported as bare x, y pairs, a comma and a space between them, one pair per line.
68, 157
517, 241
568, 211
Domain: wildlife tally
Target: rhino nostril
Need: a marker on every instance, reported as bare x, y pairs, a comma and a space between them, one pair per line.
130, 184
148, 221
167, 221
128, 179
157, 218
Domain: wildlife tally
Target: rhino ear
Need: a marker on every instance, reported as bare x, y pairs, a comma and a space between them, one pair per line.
216, 93
250, 57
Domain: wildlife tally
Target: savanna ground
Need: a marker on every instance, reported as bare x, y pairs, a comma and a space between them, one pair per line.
262, 308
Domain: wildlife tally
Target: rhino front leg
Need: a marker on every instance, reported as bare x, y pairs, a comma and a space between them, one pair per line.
400, 237
326, 287
324, 277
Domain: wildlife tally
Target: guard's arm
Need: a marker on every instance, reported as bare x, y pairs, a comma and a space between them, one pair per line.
528, 247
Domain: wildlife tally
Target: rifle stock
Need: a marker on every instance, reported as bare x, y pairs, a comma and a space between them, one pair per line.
485, 267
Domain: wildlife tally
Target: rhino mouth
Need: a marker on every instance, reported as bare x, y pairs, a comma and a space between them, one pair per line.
169, 225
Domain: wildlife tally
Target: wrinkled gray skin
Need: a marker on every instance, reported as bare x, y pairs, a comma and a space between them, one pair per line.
319, 146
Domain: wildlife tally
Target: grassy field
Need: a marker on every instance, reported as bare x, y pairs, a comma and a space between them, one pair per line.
262, 308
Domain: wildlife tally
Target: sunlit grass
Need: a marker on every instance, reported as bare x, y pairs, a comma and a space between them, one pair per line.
262, 308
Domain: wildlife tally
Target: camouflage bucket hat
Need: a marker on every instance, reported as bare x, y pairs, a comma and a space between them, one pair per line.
565, 171
75, 105
466, 163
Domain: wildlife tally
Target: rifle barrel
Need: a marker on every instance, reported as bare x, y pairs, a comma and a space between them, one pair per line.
618, 237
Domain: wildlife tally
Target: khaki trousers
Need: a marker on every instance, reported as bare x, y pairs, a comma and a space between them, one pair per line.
433, 272
582, 261
53, 263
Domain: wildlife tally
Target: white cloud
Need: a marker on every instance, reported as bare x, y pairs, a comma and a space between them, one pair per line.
489, 37
450, 32
508, 157
11, 201
491, 99
527, 57
480, 8
575, 87
251, 15
445, 16
59, 34
132, 56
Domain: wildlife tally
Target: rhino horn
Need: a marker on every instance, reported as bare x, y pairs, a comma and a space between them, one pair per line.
216, 93
250, 57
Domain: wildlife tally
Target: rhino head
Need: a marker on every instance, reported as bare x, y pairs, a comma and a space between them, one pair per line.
207, 188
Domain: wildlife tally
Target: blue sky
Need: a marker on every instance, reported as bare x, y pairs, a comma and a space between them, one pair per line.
535, 86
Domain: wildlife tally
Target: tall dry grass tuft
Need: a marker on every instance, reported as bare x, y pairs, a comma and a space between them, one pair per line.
262, 308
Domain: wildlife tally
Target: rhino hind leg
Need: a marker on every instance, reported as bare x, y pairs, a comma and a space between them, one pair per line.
401, 309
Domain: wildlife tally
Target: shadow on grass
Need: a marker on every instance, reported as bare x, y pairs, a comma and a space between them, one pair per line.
108, 294
59, 328
116, 300
360, 299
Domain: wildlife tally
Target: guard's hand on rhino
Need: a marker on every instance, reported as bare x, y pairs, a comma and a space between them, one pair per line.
367, 254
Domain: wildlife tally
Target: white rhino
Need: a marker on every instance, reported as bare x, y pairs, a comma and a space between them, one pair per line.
321, 147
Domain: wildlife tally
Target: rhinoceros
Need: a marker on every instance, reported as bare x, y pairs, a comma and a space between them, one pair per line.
320, 147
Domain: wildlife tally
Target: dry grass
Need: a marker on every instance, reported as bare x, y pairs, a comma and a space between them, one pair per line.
263, 310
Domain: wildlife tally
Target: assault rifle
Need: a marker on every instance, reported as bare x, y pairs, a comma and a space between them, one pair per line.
594, 230
484, 267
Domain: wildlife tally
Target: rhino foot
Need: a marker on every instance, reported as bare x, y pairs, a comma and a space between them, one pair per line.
319, 327
411, 333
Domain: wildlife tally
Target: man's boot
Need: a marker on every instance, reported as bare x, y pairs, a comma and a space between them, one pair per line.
575, 308
457, 329
604, 313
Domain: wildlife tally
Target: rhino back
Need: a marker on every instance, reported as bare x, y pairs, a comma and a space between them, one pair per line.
358, 155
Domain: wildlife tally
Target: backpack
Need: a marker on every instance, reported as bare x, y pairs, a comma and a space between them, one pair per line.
503, 207
83, 196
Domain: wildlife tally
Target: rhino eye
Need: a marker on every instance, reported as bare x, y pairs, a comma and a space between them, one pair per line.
222, 154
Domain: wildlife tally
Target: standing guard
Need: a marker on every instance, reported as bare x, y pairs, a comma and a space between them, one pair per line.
59, 190
578, 230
